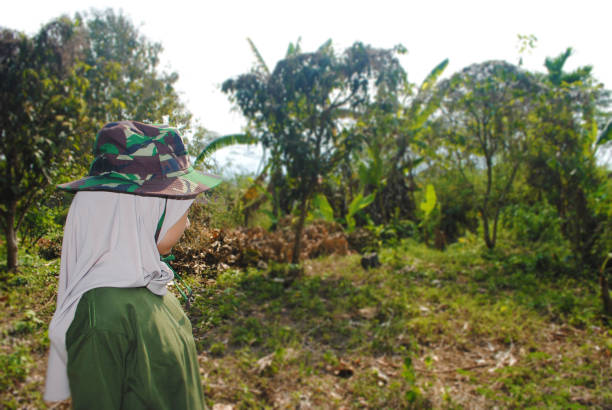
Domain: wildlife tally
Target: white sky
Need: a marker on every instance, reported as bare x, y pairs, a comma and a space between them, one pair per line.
205, 42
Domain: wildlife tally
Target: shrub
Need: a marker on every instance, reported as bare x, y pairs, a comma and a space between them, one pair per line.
533, 223
40, 222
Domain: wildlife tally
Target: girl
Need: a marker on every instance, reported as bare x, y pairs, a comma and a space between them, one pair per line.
119, 340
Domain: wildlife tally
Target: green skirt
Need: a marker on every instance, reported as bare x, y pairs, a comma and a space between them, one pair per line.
131, 349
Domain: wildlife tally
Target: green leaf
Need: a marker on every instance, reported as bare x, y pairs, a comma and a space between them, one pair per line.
434, 74
428, 205
225, 141
326, 47
322, 208
605, 135
360, 202
270, 214
258, 56
363, 173
357, 204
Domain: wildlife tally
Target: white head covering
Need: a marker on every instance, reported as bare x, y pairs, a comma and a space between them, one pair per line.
109, 241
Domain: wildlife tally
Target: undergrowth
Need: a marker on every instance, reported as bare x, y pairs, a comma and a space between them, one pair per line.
462, 328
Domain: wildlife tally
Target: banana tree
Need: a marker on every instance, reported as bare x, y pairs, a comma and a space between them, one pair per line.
323, 210
429, 206
392, 130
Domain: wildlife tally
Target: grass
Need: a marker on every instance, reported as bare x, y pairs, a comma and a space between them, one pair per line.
428, 329
28, 302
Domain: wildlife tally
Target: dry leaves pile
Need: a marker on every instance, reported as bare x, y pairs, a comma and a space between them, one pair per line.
204, 248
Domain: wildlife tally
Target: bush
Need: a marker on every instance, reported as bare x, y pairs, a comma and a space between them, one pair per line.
456, 201
363, 240
42, 221
50, 248
533, 223
543, 248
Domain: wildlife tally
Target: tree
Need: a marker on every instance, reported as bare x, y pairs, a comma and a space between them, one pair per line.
562, 161
295, 111
58, 88
122, 69
392, 129
485, 110
42, 108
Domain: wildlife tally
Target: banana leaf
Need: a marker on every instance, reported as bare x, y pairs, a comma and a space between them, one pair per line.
225, 141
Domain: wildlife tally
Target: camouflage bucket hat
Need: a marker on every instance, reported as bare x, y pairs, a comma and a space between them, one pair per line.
142, 159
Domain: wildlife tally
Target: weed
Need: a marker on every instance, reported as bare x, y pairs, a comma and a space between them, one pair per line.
15, 367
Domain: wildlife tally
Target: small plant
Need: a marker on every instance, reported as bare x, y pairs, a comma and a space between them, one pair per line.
412, 394
28, 324
249, 332
217, 349
15, 367
431, 216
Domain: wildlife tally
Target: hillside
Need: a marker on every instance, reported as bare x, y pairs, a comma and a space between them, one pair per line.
460, 328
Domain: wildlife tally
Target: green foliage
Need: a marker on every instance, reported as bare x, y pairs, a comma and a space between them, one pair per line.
42, 94
430, 201
457, 204
222, 142
605, 135
428, 84
28, 301
413, 393
357, 204
58, 87
558, 77
485, 130
42, 221
248, 332
221, 208
526, 43
15, 367
217, 349
535, 223
380, 338
393, 129
321, 208
431, 212
561, 162
27, 325
263, 67
371, 169
364, 239
294, 111
124, 79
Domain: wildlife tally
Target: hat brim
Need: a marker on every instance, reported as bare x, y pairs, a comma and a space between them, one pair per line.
184, 186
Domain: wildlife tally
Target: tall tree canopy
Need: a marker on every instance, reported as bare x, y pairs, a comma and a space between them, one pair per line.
485, 110
41, 110
56, 90
562, 168
296, 110
123, 73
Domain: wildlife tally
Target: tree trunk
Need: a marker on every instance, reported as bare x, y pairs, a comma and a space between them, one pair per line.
605, 294
295, 258
487, 234
11, 237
